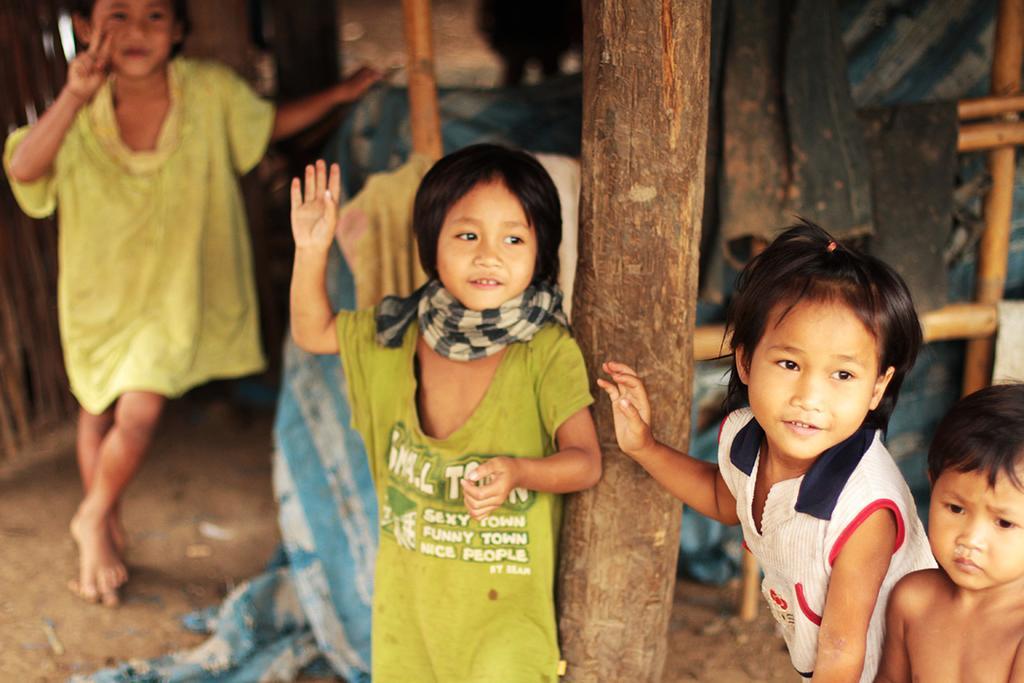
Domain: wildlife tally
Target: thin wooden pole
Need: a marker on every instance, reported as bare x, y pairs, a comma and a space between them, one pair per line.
984, 107
994, 247
750, 587
976, 137
645, 95
424, 115
955, 321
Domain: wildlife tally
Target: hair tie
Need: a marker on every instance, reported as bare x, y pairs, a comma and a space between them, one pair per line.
831, 246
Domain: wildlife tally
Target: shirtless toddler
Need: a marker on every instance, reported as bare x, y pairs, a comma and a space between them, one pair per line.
965, 621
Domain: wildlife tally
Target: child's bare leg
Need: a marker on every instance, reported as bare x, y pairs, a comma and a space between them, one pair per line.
101, 570
91, 431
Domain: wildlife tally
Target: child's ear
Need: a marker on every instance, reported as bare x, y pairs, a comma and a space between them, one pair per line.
83, 28
880, 386
742, 364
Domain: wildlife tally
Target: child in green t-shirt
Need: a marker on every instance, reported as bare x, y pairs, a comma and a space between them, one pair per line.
472, 399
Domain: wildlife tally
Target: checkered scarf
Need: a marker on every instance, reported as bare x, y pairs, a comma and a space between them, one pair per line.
459, 333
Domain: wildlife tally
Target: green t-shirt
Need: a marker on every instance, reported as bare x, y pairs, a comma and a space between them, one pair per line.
456, 599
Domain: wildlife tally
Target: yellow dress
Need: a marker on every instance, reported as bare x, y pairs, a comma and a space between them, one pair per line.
156, 290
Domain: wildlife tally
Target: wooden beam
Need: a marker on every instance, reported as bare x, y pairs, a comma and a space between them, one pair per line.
424, 115
645, 96
955, 321
994, 248
984, 107
976, 137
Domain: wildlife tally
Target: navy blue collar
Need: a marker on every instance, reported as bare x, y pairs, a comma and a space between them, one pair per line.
824, 481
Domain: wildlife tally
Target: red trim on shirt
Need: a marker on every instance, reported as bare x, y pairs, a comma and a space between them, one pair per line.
721, 427
746, 547
880, 504
804, 607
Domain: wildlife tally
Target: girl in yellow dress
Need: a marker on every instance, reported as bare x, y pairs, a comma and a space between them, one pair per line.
141, 151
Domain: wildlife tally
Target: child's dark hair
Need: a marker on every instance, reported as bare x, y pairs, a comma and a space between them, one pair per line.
84, 8
984, 431
456, 174
805, 264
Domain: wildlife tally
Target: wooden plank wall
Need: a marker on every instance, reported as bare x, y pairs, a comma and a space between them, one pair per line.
34, 395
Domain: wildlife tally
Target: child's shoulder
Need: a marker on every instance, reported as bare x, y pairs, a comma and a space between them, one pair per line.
361, 323
918, 591
552, 343
553, 334
876, 474
204, 75
733, 423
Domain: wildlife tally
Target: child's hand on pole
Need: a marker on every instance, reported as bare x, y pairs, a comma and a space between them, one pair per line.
88, 71
631, 408
486, 488
356, 85
315, 209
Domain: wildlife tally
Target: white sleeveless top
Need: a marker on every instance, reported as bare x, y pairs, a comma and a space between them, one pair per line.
807, 520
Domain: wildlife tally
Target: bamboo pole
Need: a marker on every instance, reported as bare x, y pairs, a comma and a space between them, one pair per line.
424, 115
976, 137
994, 247
955, 321
985, 107
750, 587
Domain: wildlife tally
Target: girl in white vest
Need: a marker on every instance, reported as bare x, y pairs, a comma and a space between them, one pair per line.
822, 337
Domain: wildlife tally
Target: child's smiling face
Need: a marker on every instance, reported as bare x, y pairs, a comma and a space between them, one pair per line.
144, 33
811, 380
977, 531
486, 249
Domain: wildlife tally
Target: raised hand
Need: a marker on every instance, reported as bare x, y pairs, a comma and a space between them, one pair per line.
88, 71
315, 209
631, 408
486, 488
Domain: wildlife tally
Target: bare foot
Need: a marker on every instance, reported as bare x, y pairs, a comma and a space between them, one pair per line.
100, 571
118, 536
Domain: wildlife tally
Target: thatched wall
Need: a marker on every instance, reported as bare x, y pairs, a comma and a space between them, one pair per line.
34, 394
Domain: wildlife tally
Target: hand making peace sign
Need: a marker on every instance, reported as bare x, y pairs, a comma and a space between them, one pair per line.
88, 71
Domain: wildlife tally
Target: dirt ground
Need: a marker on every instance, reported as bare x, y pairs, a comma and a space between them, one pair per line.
201, 517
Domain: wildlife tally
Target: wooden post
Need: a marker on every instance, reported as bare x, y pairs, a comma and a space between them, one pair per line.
995, 241
424, 116
305, 41
220, 30
645, 93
